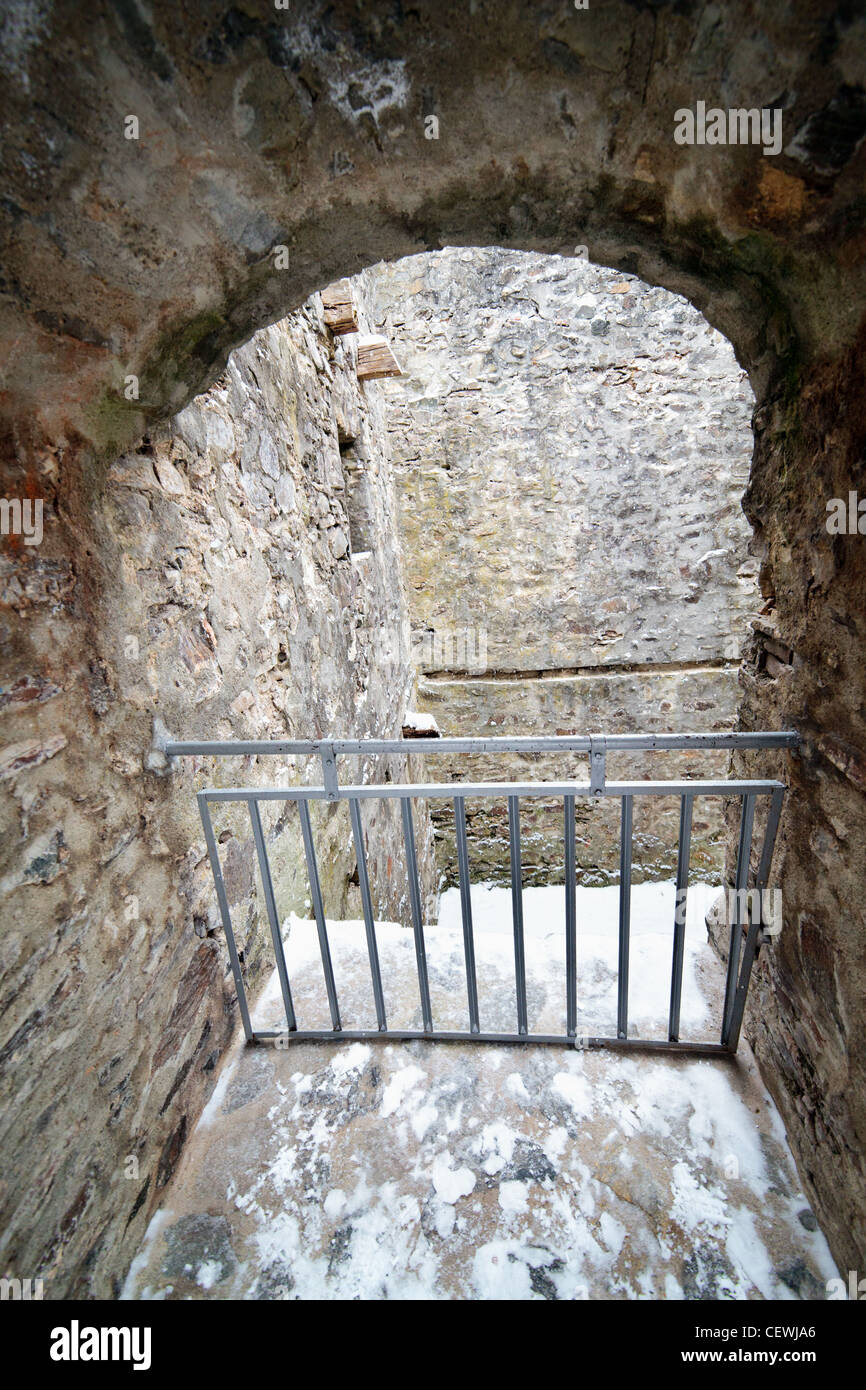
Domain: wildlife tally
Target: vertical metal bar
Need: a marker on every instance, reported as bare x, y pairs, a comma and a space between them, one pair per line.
732, 1036
570, 922
517, 911
747, 817
682, 891
225, 913
624, 916
466, 911
750, 949
773, 817
319, 913
273, 919
415, 904
367, 902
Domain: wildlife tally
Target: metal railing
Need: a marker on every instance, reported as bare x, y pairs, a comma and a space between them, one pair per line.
741, 956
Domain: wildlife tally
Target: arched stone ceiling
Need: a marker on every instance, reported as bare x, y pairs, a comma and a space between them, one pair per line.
304, 127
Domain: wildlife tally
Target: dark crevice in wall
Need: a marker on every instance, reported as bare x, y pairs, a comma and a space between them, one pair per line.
621, 668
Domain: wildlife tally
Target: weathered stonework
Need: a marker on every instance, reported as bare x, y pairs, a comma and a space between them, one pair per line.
807, 1021
552, 704
220, 599
571, 448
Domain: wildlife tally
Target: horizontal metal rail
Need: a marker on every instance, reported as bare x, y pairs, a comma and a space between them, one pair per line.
558, 743
398, 791
586, 1042
742, 953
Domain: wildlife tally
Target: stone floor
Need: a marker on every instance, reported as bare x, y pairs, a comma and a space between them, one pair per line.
456, 1171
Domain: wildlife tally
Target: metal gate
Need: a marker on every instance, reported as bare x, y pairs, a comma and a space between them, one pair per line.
743, 920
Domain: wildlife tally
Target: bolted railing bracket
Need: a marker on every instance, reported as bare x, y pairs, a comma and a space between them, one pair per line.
597, 757
329, 771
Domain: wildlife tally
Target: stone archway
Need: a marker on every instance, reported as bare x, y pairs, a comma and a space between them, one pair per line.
269, 153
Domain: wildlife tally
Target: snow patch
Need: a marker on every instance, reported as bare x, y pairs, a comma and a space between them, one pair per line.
514, 1197
399, 1087
575, 1091
353, 1058
451, 1183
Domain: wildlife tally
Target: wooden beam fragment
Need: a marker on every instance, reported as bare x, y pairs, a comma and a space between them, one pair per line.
420, 726
375, 359
341, 315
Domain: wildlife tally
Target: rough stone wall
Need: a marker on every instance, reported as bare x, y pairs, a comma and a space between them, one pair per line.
571, 448
806, 1018
556, 704
218, 595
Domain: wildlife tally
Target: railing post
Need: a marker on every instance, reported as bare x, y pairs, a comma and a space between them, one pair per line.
319, 913
417, 918
771, 830
367, 905
225, 912
747, 816
755, 932
271, 907
466, 911
682, 892
570, 922
624, 917
517, 911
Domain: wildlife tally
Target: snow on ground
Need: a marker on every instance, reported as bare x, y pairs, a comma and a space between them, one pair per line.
652, 910
467, 1171
651, 939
